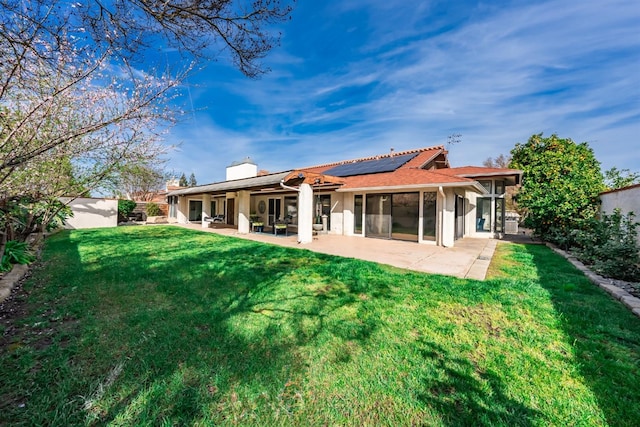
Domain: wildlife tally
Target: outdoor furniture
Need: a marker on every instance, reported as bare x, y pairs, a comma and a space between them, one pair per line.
280, 227
257, 227
218, 218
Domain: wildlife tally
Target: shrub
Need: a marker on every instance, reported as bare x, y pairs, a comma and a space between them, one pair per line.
610, 246
562, 237
125, 207
15, 253
153, 209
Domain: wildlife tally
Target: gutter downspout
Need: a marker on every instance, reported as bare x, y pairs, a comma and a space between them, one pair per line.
286, 187
441, 217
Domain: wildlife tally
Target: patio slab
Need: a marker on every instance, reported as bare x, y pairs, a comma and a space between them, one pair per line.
470, 258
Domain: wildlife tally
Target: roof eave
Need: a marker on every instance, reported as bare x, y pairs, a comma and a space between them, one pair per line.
474, 185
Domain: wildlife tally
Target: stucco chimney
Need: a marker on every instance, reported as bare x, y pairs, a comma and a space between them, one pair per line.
243, 169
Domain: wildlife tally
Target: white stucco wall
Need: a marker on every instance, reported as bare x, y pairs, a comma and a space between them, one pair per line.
448, 217
626, 199
92, 213
183, 210
347, 214
337, 213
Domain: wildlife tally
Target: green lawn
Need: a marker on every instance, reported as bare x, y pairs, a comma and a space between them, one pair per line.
168, 326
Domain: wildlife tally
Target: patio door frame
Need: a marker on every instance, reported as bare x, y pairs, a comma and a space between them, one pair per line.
197, 210
459, 218
274, 209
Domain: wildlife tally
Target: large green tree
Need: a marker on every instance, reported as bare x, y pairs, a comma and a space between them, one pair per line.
560, 185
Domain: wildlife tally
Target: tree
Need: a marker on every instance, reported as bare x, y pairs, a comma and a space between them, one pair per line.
614, 178
140, 182
73, 84
192, 180
560, 185
183, 181
500, 162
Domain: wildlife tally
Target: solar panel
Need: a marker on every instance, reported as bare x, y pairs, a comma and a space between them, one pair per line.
365, 167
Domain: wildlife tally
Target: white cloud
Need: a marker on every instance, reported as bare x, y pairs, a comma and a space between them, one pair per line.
495, 75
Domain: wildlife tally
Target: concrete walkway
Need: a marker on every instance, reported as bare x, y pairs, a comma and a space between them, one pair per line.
470, 258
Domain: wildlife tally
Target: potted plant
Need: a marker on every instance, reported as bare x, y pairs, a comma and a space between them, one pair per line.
317, 225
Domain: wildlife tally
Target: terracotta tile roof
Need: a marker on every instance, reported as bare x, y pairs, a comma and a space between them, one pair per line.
429, 168
412, 172
426, 156
402, 178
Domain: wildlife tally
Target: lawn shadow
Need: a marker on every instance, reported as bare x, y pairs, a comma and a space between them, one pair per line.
203, 323
464, 395
604, 334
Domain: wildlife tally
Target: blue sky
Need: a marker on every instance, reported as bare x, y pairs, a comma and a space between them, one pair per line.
354, 78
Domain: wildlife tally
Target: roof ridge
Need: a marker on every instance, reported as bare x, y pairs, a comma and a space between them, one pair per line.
375, 157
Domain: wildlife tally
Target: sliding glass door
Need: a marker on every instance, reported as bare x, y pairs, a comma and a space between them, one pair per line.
378, 216
405, 212
393, 216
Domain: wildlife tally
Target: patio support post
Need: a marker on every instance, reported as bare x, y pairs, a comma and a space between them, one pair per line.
448, 219
206, 209
244, 211
305, 214
183, 210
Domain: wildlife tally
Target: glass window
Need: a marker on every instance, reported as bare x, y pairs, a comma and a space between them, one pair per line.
291, 210
483, 214
429, 217
173, 206
499, 187
275, 207
213, 210
357, 214
378, 216
195, 210
499, 215
486, 185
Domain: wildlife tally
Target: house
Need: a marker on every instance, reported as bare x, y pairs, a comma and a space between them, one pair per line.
412, 195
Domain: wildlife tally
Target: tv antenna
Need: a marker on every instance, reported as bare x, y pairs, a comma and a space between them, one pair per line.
454, 138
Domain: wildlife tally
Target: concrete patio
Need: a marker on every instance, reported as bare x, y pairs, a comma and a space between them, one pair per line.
469, 258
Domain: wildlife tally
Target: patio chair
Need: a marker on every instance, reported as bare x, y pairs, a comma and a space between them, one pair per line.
280, 226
